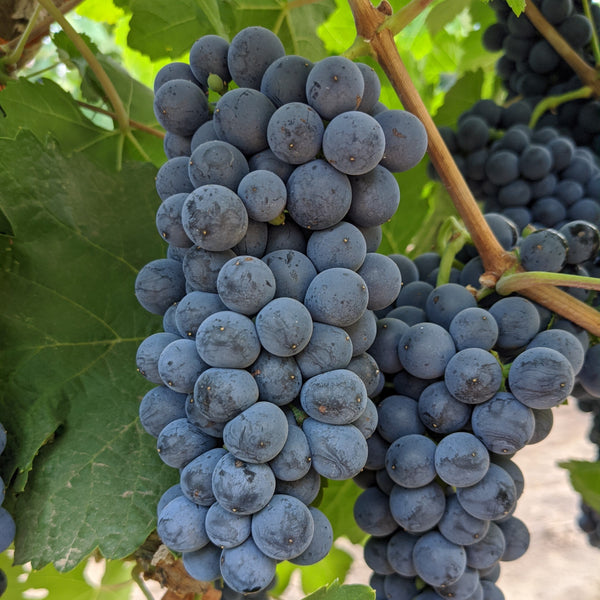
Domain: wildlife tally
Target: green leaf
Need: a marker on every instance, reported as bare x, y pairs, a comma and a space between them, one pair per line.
337, 502
444, 12
585, 479
115, 582
336, 564
71, 326
460, 98
335, 591
46, 110
103, 11
518, 6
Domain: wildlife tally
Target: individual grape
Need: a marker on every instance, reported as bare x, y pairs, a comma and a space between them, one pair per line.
319, 196
255, 241
502, 167
504, 230
382, 277
284, 528
399, 587
503, 424
226, 529
564, 342
8, 529
375, 197
373, 236
488, 550
342, 245
217, 162
196, 477
294, 459
279, 379
337, 297
384, 349
284, 327
250, 53
148, 353
473, 375
338, 451
214, 217
180, 525
458, 526
589, 376
193, 308
245, 284
446, 301
264, 195
518, 322
399, 553
241, 118
336, 397
203, 564
568, 191
288, 236
461, 460
295, 133
206, 425
409, 461
405, 140
266, 160
437, 561
222, 394
414, 293
362, 332
544, 419
334, 85
159, 407
425, 350
535, 162
543, 250
353, 143
492, 497
329, 348
466, 587
180, 106
411, 315
372, 88
246, 569
241, 487
205, 133
491, 591
179, 365
398, 416
227, 339
417, 509
516, 536
180, 442
168, 221
208, 56
320, 544
367, 421
583, 240
257, 434
548, 211
159, 284
375, 551
284, 81
472, 133
440, 411
407, 384
305, 489
378, 448
473, 328
541, 377
293, 272
201, 268
365, 366
174, 70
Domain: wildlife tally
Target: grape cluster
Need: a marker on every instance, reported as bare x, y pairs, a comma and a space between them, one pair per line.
536, 177
467, 386
531, 69
7, 524
272, 199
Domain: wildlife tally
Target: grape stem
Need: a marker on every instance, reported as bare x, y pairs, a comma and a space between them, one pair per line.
595, 44
586, 73
16, 54
496, 260
451, 239
515, 282
552, 102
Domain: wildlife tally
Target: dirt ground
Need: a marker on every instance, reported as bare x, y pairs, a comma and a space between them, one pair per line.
560, 564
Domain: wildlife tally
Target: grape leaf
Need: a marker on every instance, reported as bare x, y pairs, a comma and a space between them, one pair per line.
518, 6
460, 98
71, 326
585, 479
44, 108
443, 13
338, 496
335, 591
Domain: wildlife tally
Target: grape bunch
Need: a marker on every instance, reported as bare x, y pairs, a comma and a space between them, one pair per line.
7, 524
531, 69
538, 177
467, 385
272, 201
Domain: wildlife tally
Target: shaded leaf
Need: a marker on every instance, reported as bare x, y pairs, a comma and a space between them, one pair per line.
335, 591
443, 13
337, 502
460, 98
585, 479
71, 326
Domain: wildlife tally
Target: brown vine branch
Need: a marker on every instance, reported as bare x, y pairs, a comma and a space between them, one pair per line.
132, 123
586, 73
495, 259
